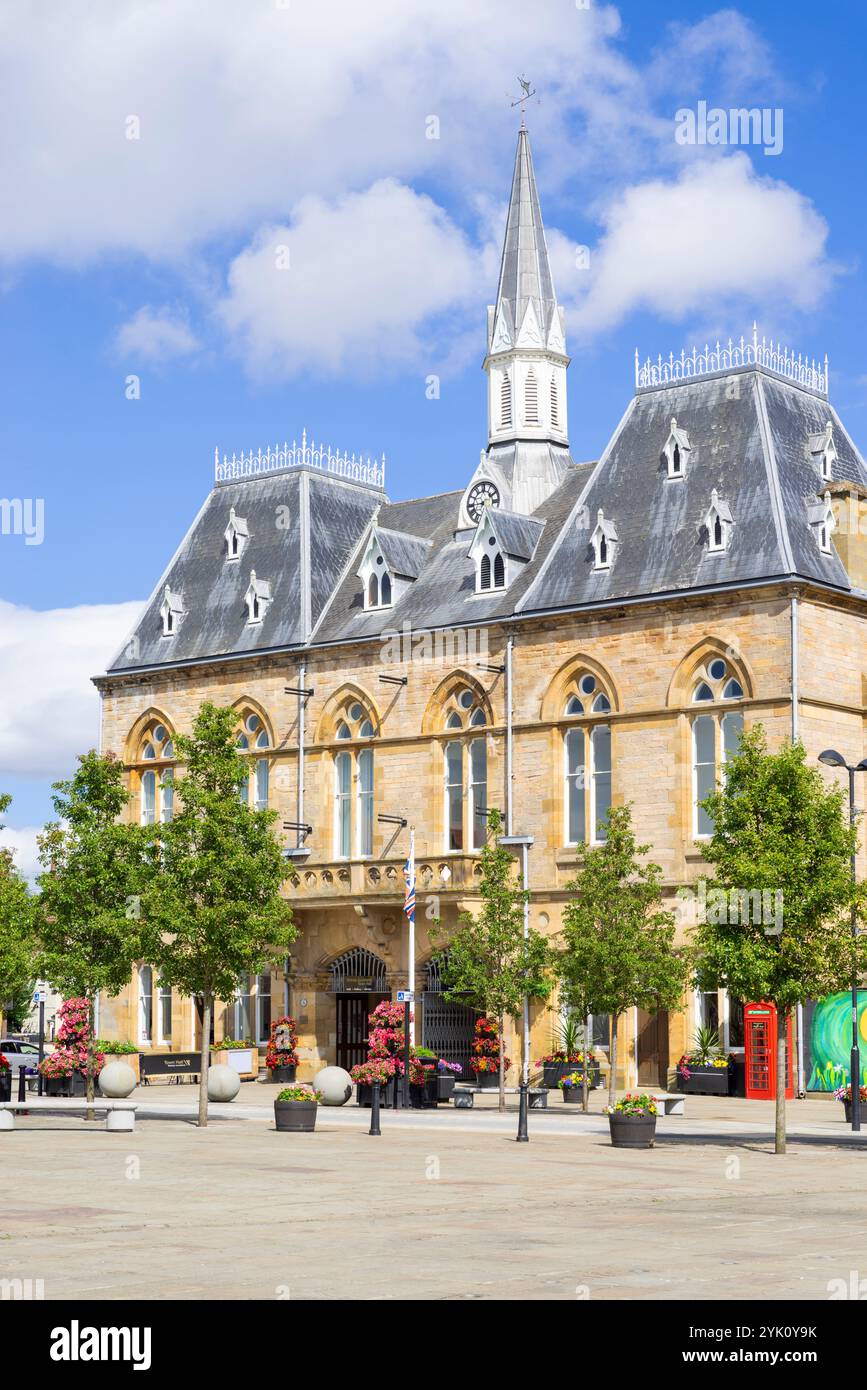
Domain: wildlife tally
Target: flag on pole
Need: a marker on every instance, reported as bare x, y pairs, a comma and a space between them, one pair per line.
409, 875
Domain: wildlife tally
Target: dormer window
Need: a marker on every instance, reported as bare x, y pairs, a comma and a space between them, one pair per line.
171, 611
603, 541
236, 535
676, 451
378, 593
376, 575
824, 451
718, 524
823, 523
491, 573
257, 598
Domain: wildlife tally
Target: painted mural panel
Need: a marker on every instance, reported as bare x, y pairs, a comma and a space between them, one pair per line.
828, 1032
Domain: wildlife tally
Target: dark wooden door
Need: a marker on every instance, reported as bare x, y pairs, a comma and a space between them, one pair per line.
652, 1048
352, 1030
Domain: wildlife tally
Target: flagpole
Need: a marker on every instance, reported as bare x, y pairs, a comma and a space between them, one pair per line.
411, 924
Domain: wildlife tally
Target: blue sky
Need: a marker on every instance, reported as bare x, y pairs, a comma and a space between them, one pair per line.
261, 125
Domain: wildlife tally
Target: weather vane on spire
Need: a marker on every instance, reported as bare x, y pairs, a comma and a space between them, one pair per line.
527, 91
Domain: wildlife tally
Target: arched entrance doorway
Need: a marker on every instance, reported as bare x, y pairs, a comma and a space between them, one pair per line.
447, 1027
357, 978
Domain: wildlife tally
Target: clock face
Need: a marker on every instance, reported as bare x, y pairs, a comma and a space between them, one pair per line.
482, 495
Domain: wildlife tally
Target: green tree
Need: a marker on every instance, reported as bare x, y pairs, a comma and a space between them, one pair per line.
778, 830
618, 947
17, 943
212, 903
87, 908
488, 959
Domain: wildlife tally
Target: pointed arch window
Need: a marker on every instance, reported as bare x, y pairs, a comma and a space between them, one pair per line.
156, 786
555, 404
465, 774
588, 768
353, 785
715, 736
253, 740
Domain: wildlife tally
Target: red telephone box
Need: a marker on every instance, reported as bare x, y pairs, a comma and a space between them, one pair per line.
760, 1039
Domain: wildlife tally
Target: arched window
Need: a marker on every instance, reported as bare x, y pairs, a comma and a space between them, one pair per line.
465, 774
156, 785
715, 736
531, 398
499, 571
145, 1004
385, 590
164, 1014
555, 404
252, 740
587, 764
485, 572
505, 401
353, 785
373, 592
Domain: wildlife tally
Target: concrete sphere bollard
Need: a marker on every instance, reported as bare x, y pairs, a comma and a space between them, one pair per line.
224, 1083
335, 1085
117, 1080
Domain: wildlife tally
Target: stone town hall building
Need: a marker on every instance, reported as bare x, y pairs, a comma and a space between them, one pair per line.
553, 638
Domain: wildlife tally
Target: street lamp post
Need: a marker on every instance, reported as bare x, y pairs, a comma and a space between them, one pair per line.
523, 842
831, 758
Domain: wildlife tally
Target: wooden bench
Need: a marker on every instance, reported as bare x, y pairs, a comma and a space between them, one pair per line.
669, 1103
119, 1114
464, 1096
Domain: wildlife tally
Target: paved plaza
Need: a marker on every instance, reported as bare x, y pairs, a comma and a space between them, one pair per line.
445, 1205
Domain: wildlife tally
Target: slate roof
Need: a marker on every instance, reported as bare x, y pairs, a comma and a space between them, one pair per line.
749, 433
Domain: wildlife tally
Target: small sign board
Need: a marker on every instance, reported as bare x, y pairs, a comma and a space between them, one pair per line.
406, 996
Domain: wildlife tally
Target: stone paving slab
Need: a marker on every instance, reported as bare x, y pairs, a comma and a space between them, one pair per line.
437, 1208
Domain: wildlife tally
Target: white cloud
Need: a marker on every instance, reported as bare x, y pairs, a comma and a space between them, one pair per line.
22, 842
49, 709
241, 109
716, 237
365, 275
156, 335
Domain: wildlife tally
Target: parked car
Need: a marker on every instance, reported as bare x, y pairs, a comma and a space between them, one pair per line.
21, 1054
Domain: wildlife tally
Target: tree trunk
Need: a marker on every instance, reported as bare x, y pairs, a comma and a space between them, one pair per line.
612, 1061
88, 1079
780, 1117
502, 1068
205, 1059
585, 1088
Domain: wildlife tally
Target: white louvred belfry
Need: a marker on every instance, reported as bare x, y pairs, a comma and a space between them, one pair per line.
257, 598
171, 611
526, 361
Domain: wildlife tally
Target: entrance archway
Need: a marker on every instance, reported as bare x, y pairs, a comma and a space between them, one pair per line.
358, 980
447, 1027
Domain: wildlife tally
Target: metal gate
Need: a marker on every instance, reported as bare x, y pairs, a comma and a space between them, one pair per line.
447, 1027
351, 1030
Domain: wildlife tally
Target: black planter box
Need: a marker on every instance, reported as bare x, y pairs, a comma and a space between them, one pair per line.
445, 1081
704, 1081
553, 1072
423, 1097
487, 1080
364, 1096
283, 1075
74, 1085
6, 1084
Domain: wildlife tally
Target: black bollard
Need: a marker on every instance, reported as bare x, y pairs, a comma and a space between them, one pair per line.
522, 1136
22, 1082
374, 1111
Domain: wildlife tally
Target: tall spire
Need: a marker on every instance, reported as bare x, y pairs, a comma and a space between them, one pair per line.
525, 271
